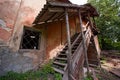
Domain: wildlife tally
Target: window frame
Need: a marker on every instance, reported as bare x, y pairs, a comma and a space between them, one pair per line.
31, 29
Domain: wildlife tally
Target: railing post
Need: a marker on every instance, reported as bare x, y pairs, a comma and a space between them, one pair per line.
69, 46
84, 43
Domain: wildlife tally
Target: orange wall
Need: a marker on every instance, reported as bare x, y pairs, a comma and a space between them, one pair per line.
56, 34
8, 12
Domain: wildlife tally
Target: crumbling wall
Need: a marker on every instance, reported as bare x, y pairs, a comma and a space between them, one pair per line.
20, 61
15, 14
13, 17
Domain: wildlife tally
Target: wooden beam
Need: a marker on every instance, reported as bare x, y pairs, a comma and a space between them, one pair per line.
55, 16
58, 9
50, 18
59, 16
60, 4
69, 46
84, 43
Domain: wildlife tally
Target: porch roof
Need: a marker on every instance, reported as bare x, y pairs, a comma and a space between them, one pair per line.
54, 11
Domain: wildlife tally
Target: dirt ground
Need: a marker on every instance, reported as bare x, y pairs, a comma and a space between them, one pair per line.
110, 66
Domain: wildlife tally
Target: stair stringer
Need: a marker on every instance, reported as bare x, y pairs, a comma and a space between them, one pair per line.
78, 58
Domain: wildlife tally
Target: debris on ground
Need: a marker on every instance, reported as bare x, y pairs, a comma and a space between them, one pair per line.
110, 67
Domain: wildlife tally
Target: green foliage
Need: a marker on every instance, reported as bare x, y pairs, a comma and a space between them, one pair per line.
58, 76
88, 78
41, 74
108, 23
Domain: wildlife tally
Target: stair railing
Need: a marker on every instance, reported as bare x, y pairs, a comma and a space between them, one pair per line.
77, 56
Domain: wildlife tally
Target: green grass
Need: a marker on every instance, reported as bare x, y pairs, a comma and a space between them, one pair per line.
88, 78
41, 74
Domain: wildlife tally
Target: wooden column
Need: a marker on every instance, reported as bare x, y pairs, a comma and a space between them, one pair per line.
84, 43
69, 46
61, 33
91, 23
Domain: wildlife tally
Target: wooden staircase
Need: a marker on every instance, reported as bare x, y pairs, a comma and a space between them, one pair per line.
60, 62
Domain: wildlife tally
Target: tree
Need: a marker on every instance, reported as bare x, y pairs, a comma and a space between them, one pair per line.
108, 22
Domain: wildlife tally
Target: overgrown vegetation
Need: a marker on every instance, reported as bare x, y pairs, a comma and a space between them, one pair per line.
88, 78
108, 23
44, 73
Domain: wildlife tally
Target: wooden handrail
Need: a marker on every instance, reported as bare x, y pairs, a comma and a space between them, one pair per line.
76, 55
76, 40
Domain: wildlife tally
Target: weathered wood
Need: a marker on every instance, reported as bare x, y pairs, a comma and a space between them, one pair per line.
56, 16
76, 40
61, 16
47, 15
94, 75
95, 40
50, 18
56, 9
58, 70
84, 43
62, 64
59, 4
69, 46
116, 72
59, 9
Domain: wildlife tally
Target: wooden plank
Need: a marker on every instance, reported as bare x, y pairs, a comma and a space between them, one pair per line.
46, 16
58, 70
59, 16
62, 64
61, 58
116, 72
55, 9
84, 43
50, 18
69, 46
59, 9
55, 16
59, 4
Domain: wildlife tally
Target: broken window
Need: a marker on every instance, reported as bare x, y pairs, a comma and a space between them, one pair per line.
31, 39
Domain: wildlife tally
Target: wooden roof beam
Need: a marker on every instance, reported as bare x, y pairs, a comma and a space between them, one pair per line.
60, 4
62, 10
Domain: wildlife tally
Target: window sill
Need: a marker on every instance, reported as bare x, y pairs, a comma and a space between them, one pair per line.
28, 50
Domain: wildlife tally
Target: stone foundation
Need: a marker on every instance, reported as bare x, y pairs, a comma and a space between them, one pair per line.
20, 61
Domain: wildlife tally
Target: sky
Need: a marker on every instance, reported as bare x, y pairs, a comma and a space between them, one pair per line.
79, 2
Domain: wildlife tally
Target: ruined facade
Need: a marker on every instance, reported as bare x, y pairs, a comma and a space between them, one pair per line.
27, 41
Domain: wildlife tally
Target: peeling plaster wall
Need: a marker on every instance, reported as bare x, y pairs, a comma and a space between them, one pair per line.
11, 31
26, 15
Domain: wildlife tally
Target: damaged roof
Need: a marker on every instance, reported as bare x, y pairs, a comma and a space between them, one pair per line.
53, 11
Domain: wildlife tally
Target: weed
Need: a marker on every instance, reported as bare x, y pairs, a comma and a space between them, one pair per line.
40, 74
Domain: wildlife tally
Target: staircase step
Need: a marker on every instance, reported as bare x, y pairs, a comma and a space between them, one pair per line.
58, 63
63, 54
62, 61
64, 51
74, 47
61, 58
58, 70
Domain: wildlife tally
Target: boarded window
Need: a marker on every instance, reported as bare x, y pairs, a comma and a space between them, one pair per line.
31, 39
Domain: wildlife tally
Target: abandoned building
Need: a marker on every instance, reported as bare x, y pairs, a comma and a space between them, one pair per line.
62, 31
